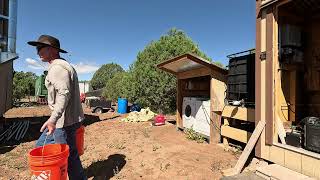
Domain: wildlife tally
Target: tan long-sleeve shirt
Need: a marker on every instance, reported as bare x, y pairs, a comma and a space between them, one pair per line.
63, 94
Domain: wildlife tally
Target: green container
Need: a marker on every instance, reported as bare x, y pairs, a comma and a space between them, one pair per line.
40, 88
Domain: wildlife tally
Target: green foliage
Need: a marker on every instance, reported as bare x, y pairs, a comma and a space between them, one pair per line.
151, 87
104, 74
193, 135
23, 84
115, 86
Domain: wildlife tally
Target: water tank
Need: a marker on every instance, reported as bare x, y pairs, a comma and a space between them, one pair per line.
241, 77
312, 134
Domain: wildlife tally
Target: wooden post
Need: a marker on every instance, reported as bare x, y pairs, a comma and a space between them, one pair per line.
179, 104
225, 139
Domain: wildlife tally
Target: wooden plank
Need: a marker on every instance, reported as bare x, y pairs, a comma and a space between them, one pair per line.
203, 71
247, 150
236, 134
240, 113
292, 160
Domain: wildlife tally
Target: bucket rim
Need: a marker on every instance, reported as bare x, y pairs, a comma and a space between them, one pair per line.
49, 156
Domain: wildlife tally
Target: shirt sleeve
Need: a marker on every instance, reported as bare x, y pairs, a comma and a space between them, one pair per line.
60, 79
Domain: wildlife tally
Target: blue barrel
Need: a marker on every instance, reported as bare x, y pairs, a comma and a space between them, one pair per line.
122, 106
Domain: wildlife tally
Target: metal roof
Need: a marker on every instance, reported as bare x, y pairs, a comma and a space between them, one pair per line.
187, 62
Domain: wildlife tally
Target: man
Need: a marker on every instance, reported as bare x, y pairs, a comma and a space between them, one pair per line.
64, 101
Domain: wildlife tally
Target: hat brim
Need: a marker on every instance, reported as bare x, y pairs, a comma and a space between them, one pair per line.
36, 43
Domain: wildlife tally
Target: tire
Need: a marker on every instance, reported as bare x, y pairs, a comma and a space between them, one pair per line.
98, 110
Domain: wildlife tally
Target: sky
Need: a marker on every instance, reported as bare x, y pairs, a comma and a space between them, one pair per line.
104, 31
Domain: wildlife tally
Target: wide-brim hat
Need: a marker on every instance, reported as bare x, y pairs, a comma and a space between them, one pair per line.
46, 40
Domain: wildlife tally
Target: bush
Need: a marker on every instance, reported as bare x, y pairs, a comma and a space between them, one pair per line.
115, 86
154, 88
104, 74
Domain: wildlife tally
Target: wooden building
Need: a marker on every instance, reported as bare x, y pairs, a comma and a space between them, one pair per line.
287, 78
197, 77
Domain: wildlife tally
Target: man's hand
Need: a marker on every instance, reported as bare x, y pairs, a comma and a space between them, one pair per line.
51, 127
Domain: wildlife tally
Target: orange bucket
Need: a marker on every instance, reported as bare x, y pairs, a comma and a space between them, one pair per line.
80, 140
49, 162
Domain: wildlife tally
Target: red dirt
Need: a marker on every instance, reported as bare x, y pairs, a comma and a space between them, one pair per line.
120, 150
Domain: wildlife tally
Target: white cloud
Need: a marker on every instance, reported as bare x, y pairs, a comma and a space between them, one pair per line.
34, 64
81, 68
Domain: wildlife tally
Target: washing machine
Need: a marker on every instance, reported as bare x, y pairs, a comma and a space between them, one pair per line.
188, 112
202, 117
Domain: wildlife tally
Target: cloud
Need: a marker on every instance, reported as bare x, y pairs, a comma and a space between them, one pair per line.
83, 68
34, 64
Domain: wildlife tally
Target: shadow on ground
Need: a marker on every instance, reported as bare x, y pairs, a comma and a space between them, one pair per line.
106, 169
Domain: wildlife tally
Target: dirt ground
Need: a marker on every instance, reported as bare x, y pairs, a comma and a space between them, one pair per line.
120, 150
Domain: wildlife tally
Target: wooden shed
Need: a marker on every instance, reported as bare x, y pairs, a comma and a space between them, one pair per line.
198, 78
287, 80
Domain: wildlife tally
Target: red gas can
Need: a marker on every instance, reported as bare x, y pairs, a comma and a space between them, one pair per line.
159, 120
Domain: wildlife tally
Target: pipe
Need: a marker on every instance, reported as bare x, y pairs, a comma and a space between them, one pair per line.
12, 30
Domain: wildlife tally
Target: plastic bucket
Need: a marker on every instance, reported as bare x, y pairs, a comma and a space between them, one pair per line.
122, 106
49, 162
80, 140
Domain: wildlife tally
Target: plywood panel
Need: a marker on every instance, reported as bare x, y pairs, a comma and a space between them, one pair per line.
204, 71
309, 166
236, 134
292, 160
240, 113
277, 155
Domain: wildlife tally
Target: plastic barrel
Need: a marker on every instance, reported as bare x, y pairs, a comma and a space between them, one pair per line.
50, 162
80, 140
122, 105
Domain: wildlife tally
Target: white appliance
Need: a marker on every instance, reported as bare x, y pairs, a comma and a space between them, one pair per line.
188, 111
196, 114
202, 118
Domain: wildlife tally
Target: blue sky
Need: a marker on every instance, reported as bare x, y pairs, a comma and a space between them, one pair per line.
104, 31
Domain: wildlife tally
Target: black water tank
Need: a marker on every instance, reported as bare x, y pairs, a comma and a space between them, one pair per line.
312, 134
241, 77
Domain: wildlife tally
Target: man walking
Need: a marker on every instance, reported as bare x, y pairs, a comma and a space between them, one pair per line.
64, 101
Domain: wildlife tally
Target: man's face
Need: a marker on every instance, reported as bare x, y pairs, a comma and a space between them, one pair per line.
44, 53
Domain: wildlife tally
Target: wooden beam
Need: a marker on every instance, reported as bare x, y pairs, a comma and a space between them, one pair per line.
236, 134
258, 74
247, 150
240, 113
269, 116
203, 71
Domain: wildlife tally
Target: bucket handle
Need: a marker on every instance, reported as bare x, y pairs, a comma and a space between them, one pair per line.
44, 143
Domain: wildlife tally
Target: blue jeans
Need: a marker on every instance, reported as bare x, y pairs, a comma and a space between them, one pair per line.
66, 135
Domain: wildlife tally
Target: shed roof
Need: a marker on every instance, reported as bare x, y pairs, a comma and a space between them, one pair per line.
187, 62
